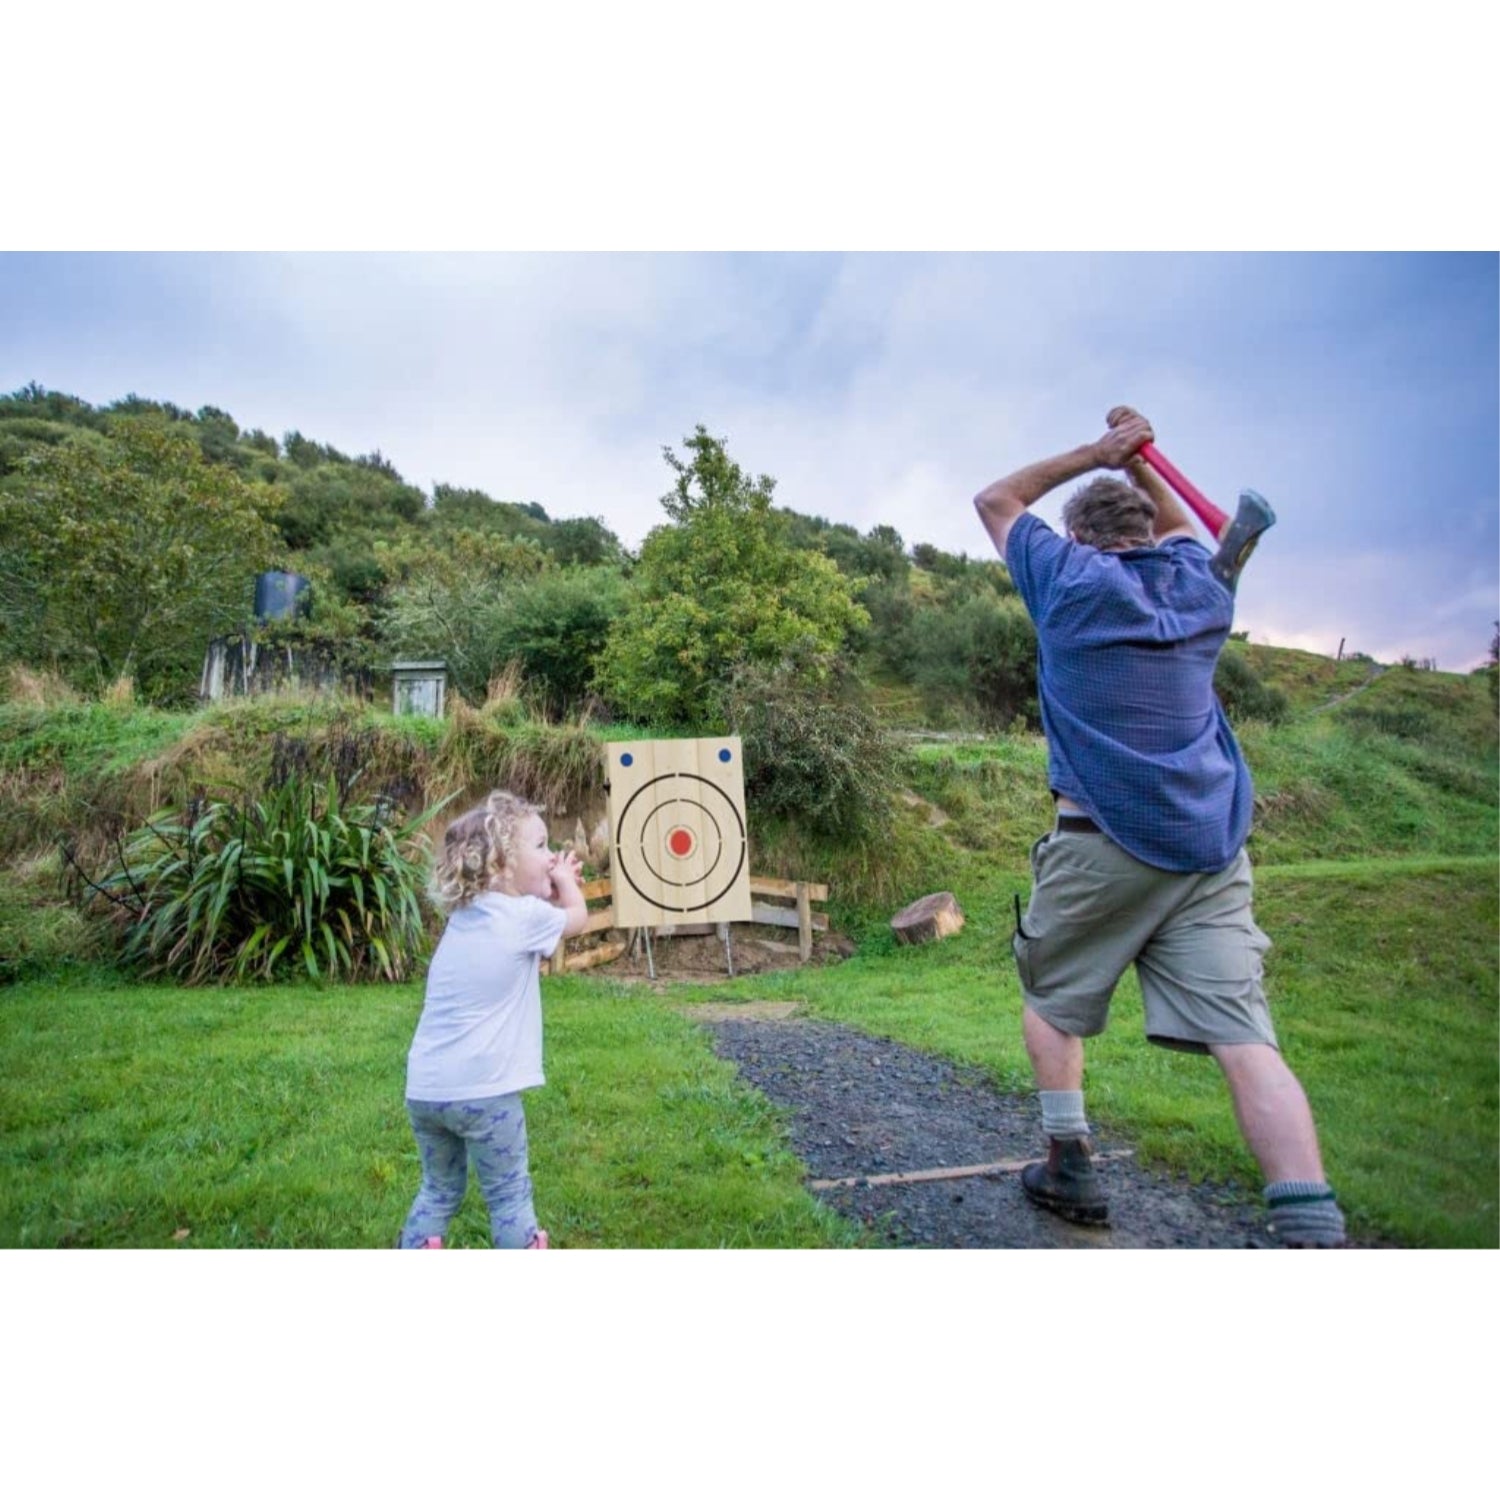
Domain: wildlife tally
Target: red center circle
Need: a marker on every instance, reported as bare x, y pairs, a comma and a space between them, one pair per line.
680, 842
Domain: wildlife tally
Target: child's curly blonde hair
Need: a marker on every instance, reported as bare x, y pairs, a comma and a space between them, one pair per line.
477, 847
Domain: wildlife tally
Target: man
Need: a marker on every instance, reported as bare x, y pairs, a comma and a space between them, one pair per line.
1146, 863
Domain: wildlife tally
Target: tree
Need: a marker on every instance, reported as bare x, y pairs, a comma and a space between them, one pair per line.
126, 557
218, 436
584, 541
978, 651
720, 587
348, 501
555, 626
451, 601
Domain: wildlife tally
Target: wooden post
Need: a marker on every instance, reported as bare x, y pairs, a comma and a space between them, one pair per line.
804, 922
558, 963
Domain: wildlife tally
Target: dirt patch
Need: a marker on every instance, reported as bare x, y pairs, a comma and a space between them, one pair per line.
748, 1010
696, 959
862, 1108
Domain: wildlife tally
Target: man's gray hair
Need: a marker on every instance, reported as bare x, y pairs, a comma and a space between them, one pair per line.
1108, 513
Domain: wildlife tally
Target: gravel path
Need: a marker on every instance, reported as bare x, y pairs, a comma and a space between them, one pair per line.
860, 1107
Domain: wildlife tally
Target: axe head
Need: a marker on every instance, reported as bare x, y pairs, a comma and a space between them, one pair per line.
1253, 516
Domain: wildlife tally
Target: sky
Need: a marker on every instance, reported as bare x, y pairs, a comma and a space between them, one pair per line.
1358, 392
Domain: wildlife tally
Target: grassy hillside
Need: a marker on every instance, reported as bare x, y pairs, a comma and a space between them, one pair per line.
1406, 764
1309, 681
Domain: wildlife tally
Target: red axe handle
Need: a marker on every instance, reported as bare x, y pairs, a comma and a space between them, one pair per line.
1204, 508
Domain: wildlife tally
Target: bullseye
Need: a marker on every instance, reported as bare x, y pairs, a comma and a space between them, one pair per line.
680, 842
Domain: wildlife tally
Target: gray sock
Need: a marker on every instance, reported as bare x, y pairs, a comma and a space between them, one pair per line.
1304, 1214
1062, 1114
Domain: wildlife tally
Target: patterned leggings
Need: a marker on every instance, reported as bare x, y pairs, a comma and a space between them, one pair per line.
490, 1133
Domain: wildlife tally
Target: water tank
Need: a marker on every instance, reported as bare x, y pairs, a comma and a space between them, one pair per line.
281, 596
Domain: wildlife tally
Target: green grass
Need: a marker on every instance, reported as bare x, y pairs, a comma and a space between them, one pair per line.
1309, 681
274, 1117
1384, 991
83, 738
40, 931
1385, 983
259, 1116
1408, 766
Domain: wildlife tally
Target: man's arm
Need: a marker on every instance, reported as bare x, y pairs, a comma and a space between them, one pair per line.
1172, 518
1003, 503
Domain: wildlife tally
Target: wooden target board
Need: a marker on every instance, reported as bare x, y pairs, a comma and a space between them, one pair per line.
677, 825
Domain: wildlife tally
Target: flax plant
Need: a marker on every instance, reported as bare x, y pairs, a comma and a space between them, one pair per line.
294, 882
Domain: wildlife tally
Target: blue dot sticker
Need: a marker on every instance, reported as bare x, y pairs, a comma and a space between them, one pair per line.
724, 756
627, 759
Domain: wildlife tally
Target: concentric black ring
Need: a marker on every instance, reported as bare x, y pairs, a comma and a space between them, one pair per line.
624, 844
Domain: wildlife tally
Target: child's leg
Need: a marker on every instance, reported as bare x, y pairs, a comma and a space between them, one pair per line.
497, 1148
445, 1173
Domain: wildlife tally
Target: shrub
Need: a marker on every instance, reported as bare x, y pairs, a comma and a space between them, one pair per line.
127, 556
1244, 695
294, 881
554, 626
979, 653
815, 755
452, 602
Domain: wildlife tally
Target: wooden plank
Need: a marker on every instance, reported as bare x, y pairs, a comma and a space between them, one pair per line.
760, 885
599, 921
804, 922
603, 954
942, 1174
763, 885
786, 916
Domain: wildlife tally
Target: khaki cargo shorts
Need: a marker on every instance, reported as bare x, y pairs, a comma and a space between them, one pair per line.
1095, 909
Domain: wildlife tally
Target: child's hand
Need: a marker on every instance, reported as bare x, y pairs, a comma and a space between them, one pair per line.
567, 868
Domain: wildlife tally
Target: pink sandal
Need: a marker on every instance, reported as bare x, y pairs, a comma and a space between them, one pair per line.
539, 1241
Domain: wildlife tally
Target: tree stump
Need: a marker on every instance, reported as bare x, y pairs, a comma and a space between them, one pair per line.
928, 920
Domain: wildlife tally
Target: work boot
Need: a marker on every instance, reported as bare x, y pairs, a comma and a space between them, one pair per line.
1065, 1183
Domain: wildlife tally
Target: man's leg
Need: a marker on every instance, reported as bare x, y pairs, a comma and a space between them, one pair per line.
1056, 1057
1272, 1111
1277, 1124
1065, 1183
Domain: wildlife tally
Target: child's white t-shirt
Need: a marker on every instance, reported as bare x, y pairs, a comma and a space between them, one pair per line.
481, 1028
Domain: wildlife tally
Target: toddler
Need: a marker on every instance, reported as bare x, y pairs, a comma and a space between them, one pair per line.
479, 1041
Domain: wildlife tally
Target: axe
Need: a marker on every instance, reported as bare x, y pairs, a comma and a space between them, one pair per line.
1237, 537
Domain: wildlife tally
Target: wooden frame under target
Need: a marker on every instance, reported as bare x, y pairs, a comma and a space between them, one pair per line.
679, 850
